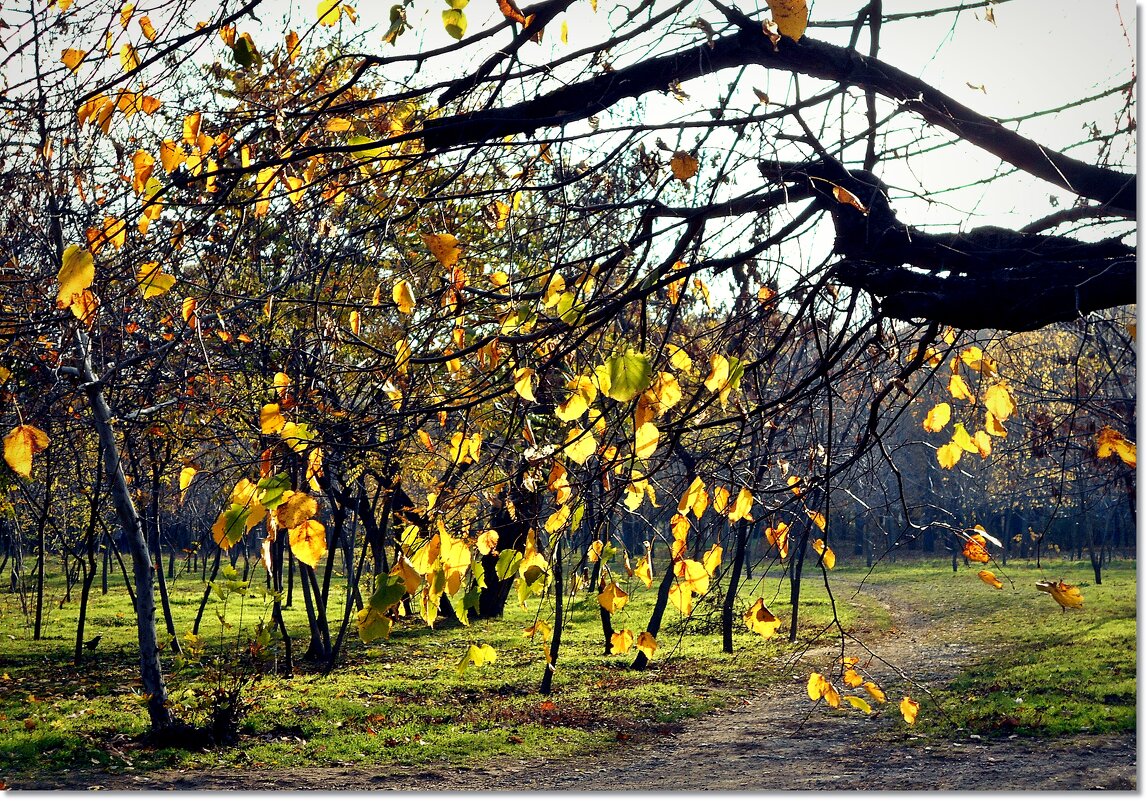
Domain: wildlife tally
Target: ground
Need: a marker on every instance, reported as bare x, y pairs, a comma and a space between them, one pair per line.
774, 741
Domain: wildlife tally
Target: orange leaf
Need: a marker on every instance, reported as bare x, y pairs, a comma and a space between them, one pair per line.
989, 578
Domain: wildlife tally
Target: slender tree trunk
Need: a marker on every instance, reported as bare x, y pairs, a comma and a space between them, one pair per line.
731, 592
556, 640
151, 672
796, 569
641, 660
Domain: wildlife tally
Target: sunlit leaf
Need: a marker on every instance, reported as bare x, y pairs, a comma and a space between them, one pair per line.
859, 703
230, 526
975, 549
645, 441
938, 417
998, 399
328, 12
828, 558
77, 272
621, 641
742, 506
579, 445
153, 281
851, 678
73, 58
989, 578
948, 455
403, 296
644, 572
613, 598
20, 445
872, 689
629, 374
1066, 595
1109, 441
760, 620
309, 542
647, 644
909, 709
958, 388
444, 248
778, 538
712, 559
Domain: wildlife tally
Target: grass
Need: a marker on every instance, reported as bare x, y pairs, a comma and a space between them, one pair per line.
1039, 670
399, 701
403, 701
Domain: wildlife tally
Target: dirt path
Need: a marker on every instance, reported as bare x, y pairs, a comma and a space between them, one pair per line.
775, 741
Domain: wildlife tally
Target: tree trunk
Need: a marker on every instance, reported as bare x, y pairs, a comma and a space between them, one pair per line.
641, 660
151, 671
556, 640
731, 592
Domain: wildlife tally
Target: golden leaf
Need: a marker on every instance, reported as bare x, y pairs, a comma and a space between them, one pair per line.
817, 518
999, 401
580, 445
77, 272
645, 441
989, 578
909, 709
643, 571
961, 437
938, 417
444, 247
20, 445
1110, 442
720, 500
185, 477
873, 690
153, 281
817, 684
328, 12
983, 443
1066, 595
948, 455
683, 165
309, 542
558, 519
646, 644
147, 28
487, 542
73, 58
976, 550
852, 678
296, 508
993, 427
128, 58
271, 421
778, 538
958, 388
742, 506
613, 598
691, 496
523, 383
621, 641
791, 17
403, 296
712, 559
760, 620
842, 195
827, 556
682, 598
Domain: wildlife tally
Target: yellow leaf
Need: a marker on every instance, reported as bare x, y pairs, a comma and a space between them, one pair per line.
873, 690
153, 281
679, 526
852, 678
827, 556
147, 28
77, 272
403, 296
938, 417
328, 12
993, 427
523, 383
760, 620
73, 58
309, 542
646, 644
621, 641
958, 388
691, 496
989, 578
402, 355
720, 500
779, 538
791, 17
580, 445
296, 509
817, 518
1111, 442
683, 165
682, 598
972, 356
405, 571
185, 477
487, 542
645, 441
84, 307
1066, 595
742, 506
692, 576
909, 709
948, 455
718, 373
20, 445
817, 684
976, 550
961, 437
859, 703
558, 519
983, 444
281, 382
443, 247
643, 571
712, 559
613, 598
128, 58
999, 401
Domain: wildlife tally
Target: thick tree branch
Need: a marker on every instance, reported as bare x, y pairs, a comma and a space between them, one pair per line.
807, 57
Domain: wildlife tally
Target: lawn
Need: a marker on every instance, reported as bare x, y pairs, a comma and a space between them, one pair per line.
405, 701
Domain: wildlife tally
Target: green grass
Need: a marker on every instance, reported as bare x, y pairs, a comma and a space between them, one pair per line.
399, 701
1039, 670
403, 701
